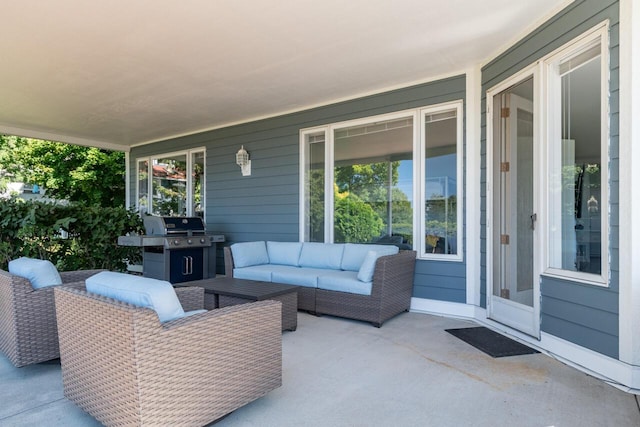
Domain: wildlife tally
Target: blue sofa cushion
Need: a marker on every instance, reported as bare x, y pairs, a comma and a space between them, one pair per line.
284, 253
321, 255
365, 274
155, 294
344, 281
41, 273
307, 277
354, 254
247, 254
261, 273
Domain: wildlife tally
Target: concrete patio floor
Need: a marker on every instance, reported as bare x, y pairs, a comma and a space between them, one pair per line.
410, 372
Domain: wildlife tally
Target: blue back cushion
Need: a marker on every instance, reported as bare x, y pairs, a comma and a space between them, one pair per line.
321, 255
354, 254
155, 294
41, 273
284, 253
247, 254
365, 274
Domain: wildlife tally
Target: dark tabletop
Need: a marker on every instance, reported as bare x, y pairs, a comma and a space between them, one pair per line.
249, 289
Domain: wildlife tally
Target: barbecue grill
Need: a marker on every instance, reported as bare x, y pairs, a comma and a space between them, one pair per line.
176, 249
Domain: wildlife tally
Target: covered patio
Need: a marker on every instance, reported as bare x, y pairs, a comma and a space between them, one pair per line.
160, 80
410, 372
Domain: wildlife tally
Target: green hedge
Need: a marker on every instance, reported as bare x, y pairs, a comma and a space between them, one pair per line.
72, 236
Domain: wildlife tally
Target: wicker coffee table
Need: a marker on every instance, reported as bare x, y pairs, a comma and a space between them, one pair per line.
225, 291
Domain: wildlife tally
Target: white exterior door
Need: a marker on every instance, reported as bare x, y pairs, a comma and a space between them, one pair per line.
513, 294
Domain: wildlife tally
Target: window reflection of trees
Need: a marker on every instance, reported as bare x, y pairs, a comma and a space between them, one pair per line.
369, 205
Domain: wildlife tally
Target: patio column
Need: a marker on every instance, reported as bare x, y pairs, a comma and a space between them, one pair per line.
629, 319
472, 188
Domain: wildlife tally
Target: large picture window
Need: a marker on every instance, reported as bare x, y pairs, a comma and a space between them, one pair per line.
172, 184
578, 144
389, 179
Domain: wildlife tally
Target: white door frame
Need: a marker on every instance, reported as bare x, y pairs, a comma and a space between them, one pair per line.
518, 316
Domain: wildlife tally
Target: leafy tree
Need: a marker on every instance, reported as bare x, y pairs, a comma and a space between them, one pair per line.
316, 205
86, 174
361, 179
355, 220
72, 236
370, 182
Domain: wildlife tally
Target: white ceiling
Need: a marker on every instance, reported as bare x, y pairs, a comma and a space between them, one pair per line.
119, 73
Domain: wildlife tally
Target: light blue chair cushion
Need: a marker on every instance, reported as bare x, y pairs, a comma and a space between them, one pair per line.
354, 254
41, 273
284, 253
365, 274
344, 281
254, 272
307, 277
247, 254
321, 255
155, 294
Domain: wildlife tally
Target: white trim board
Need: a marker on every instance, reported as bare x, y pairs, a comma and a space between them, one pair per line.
629, 177
473, 157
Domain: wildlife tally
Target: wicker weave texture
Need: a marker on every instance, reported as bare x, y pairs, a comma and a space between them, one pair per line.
191, 298
125, 368
28, 331
390, 294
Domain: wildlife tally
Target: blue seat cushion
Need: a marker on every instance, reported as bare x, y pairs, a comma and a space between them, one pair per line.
284, 253
255, 272
307, 277
155, 294
41, 273
344, 281
321, 255
247, 254
354, 254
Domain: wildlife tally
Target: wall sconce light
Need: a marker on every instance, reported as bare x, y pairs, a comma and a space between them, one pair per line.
242, 160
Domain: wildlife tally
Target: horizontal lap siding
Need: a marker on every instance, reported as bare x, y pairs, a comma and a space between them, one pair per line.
576, 313
440, 280
265, 205
586, 315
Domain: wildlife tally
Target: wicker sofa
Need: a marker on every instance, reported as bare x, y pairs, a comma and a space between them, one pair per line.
124, 367
28, 331
331, 276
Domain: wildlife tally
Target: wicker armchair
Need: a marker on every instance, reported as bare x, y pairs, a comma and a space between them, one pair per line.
124, 367
28, 332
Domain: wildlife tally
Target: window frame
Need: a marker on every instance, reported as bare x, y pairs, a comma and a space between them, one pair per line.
189, 188
552, 75
418, 143
456, 106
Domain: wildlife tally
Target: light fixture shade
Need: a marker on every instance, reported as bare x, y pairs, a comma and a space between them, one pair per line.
242, 160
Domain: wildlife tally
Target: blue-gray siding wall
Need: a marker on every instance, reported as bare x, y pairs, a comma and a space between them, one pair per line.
583, 314
264, 206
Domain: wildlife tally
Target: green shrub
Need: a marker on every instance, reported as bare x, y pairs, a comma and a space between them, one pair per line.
72, 236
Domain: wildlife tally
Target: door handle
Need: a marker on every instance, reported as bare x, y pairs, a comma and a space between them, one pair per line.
534, 218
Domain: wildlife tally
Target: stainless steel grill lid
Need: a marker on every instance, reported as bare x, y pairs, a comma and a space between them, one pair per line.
171, 225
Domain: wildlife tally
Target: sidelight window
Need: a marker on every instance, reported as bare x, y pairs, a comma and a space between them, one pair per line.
578, 160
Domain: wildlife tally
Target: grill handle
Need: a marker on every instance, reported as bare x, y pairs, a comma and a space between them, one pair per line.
187, 265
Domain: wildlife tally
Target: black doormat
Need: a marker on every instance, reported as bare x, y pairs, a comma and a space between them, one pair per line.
492, 343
